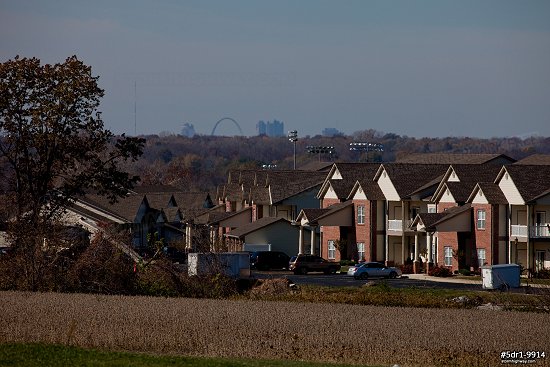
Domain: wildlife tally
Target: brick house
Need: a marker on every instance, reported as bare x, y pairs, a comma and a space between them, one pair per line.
466, 247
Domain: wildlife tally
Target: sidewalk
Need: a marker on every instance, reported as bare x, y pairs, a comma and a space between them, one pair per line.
443, 280
467, 281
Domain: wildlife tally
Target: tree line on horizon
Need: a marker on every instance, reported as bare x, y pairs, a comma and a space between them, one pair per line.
203, 161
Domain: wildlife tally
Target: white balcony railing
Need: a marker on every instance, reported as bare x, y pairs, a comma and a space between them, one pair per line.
540, 231
398, 224
518, 230
395, 225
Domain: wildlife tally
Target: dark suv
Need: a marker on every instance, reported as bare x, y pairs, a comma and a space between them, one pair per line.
302, 264
266, 260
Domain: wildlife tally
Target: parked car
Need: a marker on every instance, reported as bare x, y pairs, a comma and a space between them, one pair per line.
373, 269
302, 264
266, 260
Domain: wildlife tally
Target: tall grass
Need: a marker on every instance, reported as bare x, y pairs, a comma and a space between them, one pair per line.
272, 330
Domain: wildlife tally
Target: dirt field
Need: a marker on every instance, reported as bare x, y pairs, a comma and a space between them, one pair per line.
274, 330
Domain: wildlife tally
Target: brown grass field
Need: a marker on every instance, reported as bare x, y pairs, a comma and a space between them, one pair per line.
274, 330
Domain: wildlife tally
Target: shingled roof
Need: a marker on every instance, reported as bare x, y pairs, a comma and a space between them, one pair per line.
254, 226
531, 180
492, 192
535, 159
431, 220
451, 158
125, 209
469, 175
409, 178
350, 173
285, 184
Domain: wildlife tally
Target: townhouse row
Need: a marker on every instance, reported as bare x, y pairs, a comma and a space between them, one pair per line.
455, 210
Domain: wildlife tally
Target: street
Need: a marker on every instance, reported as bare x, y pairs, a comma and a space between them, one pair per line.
342, 280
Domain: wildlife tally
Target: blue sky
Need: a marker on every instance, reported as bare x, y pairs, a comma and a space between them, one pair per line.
419, 68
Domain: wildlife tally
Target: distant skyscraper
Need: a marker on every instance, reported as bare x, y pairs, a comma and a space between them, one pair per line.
260, 128
275, 128
188, 130
331, 131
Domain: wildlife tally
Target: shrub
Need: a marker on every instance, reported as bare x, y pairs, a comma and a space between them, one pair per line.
407, 269
440, 271
543, 274
464, 272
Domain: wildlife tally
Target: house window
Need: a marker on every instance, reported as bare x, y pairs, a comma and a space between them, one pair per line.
432, 208
331, 250
361, 250
481, 219
481, 256
448, 256
361, 214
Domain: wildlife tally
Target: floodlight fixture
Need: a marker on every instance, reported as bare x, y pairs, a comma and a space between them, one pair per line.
293, 138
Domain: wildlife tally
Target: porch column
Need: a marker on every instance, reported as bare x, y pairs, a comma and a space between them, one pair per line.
429, 263
403, 226
301, 241
529, 252
416, 263
188, 237
313, 239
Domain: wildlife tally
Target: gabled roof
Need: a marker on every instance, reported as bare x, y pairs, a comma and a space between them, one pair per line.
172, 214
349, 174
260, 195
452, 158
125, 209
215, 217
233, 192
285, 184
535, 159
491, 191
431, 220
159, 200
313, 216
460, 179
186, 200
409, 179
531, 181
255, 226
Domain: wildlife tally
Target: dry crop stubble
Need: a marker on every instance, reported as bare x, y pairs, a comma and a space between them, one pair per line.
273, 330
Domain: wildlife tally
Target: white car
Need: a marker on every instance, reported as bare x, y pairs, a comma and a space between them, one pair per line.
373, 269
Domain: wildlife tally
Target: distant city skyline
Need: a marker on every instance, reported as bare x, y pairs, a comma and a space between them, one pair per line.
431, 68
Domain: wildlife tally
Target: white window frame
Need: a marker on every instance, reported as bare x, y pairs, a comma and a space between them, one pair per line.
331, 250
481, 218
360, 214
481, 259
432, 208
448, 259
361, 250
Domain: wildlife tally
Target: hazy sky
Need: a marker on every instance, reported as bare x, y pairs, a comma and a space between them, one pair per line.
418, 68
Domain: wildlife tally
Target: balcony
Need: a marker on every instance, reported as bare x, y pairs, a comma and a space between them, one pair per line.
540, 231
396, 225
518, 230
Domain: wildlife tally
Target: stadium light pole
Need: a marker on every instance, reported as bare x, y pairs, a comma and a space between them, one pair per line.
321, 149
293, 137
366, 147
